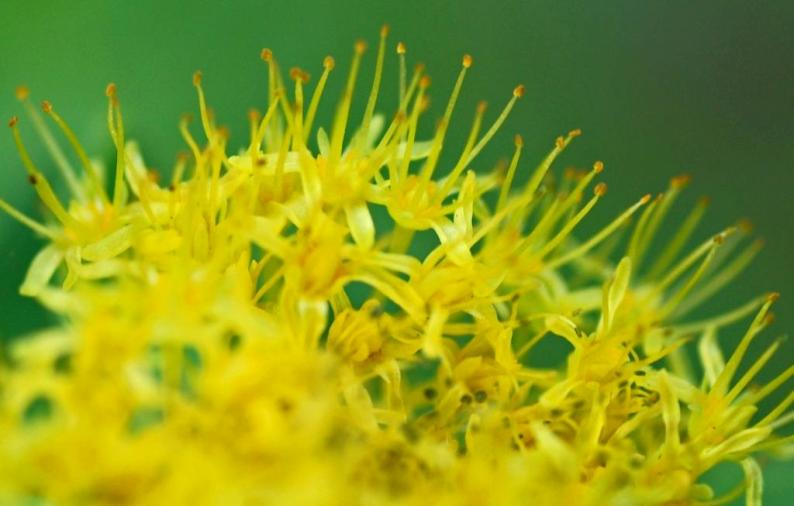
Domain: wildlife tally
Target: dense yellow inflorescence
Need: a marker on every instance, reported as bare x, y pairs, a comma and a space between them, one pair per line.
248, 333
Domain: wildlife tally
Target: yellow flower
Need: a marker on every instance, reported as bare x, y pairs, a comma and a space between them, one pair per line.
248, 333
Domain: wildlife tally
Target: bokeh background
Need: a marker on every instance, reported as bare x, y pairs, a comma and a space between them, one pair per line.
659, 88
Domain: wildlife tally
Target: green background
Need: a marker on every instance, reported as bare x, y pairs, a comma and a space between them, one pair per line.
659, 88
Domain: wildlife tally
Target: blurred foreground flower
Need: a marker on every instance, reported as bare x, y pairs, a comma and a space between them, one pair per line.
248, 332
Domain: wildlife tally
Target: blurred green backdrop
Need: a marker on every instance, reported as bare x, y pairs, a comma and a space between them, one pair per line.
659, 88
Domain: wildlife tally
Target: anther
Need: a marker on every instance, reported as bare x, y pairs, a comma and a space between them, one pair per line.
360, 47
400, 48
575, 132
518, 92
645, 199
254, 115
424, 82
110, 90
197, 78
773, 296
266, 54
296, 73
681, 181
600, 189
598, 167
745, 225
13, 121
518, 141
467, 61
46, 106
482, 105
329, 62
559, 142
22, 92
384, 30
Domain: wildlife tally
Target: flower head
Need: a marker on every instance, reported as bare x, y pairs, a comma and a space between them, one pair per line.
248, 332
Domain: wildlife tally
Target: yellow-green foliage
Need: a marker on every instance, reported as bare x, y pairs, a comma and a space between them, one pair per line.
210, 349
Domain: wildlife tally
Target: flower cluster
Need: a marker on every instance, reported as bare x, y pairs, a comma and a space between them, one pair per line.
352, 324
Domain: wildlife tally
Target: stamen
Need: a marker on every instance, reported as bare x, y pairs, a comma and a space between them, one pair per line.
600, 190
779, 410
275, 95
403, 73
116, 127
188, 137
758, 364
253, 123
676, 185
511, 172
27, 221
205, 119
638, 235
328, 66
673, 302
518, 92
81, 154
600, 236
438, 141
300, 77
340, 122
373, 94
271, 111
759, 322
457, 170
678, 241
725, 276
38, 180
419, 105
540, 172
63, 164
693, 257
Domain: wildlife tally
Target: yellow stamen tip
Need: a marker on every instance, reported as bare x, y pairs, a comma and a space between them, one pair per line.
681, 181
424, 82
384, 30
646, 198
600, 189
266, 54
46, 106
518, 140
254, 114
518, 92
745, 225
559, 142
360, 47
400, 48
13, 121
482, 105
197, 78
329, 63
296, 73
704, 201
598, 167
773, 296
22, 92
467, 61
575, 132
110, 90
